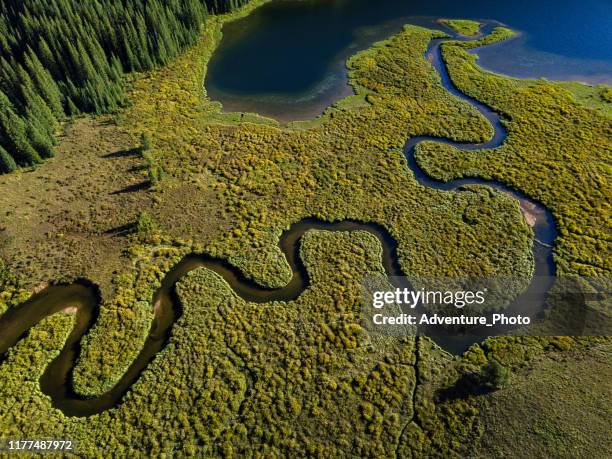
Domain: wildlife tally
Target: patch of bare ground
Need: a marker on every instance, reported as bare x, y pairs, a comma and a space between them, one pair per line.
190, 211
64, 219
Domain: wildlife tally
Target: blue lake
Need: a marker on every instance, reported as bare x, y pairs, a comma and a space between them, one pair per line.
287, 58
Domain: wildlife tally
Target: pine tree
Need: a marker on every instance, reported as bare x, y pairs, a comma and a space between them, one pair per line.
71, 108
37, 110
46, 56
45, 84
39, 141
7, 163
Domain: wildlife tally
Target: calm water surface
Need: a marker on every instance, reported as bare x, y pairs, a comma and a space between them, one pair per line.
287, 58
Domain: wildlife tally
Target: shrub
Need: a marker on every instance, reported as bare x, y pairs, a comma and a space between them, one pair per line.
494, 376
145, 224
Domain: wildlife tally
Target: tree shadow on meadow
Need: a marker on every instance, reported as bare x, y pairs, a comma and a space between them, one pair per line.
133, 188
123, 153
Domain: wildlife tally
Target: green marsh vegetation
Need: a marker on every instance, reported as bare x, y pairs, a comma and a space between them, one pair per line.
241, 378
297, 378
268, 177
464, 27
558, 152
534, 416
265, 178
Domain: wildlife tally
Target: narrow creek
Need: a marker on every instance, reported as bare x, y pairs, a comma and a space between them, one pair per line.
536, 215
84, 299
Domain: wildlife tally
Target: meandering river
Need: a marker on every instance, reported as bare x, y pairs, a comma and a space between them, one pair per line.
84, 299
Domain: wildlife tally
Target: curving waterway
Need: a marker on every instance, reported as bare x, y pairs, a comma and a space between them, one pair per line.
84, 300
538, 216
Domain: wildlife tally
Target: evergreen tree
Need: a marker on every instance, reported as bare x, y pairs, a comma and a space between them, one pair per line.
71, 108
7, 163
494, 376
41, 143
45, 84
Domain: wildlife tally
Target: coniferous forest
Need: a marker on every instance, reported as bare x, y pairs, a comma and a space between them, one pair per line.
60, 58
